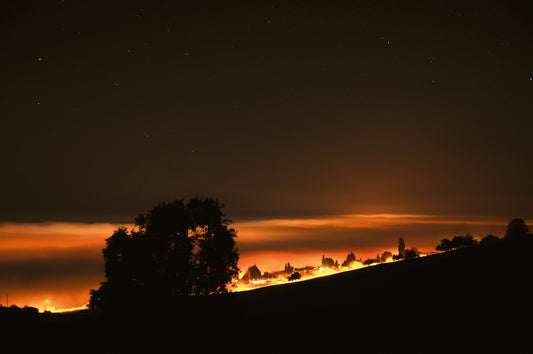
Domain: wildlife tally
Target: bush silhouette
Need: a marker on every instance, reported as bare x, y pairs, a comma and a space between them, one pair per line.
489, 240
410, 253
294, 276
386, 255
350, 258
179, 249
516, 229
457, 242
329, 262
252, 273
445, 245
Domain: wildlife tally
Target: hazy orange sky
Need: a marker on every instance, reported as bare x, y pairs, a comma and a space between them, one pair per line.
308, 120
55, 264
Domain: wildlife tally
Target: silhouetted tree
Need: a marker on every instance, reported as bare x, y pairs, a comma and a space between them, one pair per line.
294, 276
516, 229
370, 261
350, 258
401, 247
457, 242
445, 245
464, 241
329, 262
489, 239
288, 268
411, 253
252, 273
385, 255
180, 249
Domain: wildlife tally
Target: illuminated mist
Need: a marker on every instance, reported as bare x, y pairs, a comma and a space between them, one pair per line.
52, 266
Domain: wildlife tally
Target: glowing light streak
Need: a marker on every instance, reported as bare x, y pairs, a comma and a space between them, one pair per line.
317, 272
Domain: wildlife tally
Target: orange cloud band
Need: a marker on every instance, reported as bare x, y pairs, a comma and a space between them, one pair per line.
59, 262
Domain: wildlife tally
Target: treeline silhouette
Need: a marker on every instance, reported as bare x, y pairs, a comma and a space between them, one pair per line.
253, 274
18, 312
516, 230
188, 248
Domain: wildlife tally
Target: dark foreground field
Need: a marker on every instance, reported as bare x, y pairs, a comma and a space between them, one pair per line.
471, 300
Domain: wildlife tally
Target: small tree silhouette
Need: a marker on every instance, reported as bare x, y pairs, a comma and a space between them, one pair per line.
464, 241
489, 240
288, 268
411, 253
329, 262
252, 273
516, 229
350, 258
385, 255
401, 247
294, 276
457, 242
445, 245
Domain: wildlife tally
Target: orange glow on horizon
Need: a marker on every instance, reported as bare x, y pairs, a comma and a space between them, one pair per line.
26, 249
358, 221
57, 235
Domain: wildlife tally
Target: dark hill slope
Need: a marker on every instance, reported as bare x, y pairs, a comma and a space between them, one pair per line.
466, 301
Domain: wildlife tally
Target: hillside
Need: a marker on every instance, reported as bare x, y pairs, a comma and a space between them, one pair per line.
468, 300
464, 300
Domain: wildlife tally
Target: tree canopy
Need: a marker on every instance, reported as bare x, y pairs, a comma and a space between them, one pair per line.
179, 249
252, 273
401, 247
457, 242
350, 258
517, 229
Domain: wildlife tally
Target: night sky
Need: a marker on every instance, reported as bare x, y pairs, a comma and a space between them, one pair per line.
282, 110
